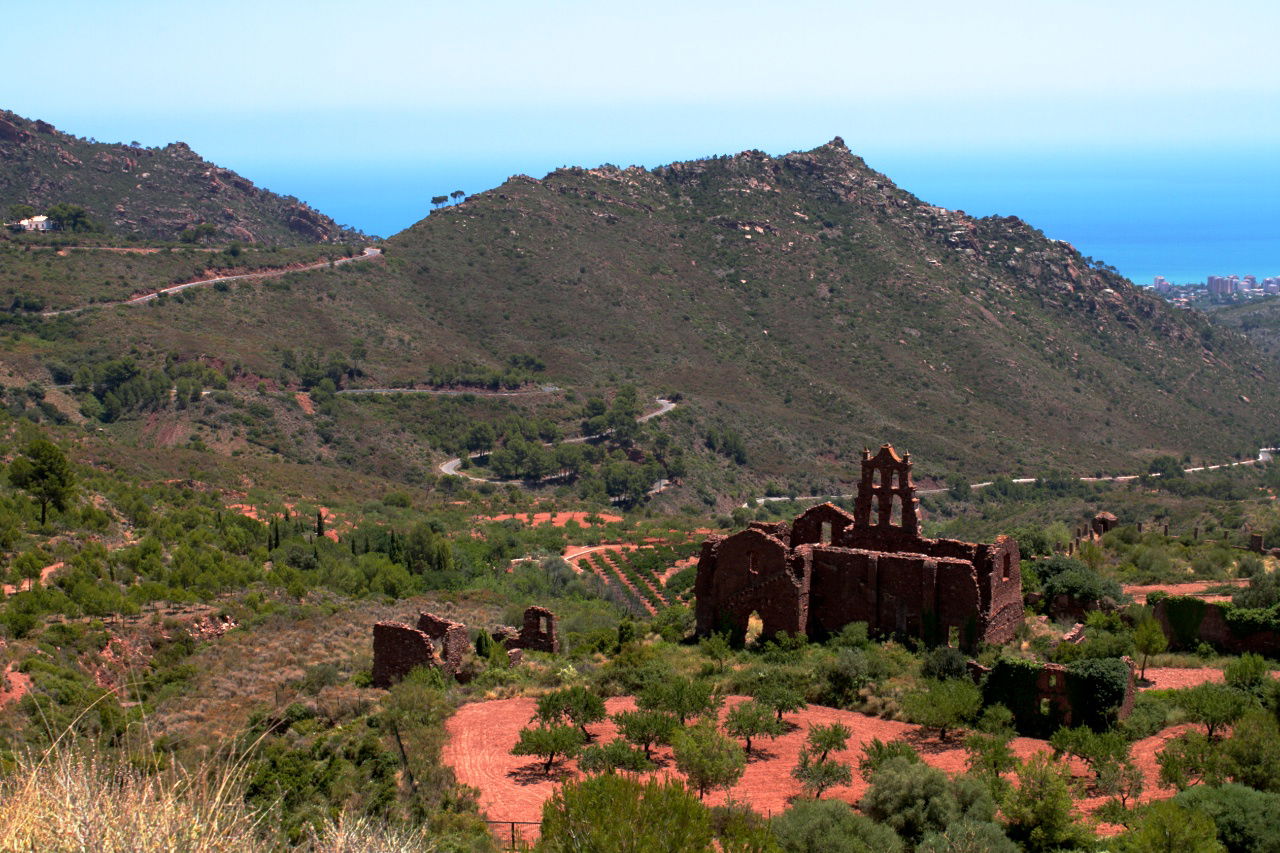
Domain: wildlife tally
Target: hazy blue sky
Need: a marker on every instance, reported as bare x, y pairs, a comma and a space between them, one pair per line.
367, 109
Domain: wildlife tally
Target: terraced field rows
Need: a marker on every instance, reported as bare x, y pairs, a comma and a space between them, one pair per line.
612, 578
636, 580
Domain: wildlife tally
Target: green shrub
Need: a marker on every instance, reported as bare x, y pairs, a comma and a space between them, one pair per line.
1248, 673
944, 705
877, 752
967, 836
832, 826
1246, 820
944, 662
612, 812
915, 799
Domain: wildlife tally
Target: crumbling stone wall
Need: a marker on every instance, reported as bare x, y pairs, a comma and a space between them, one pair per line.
398, 648
450, 637
1217, 632
538, 633
1046, 696
828, 568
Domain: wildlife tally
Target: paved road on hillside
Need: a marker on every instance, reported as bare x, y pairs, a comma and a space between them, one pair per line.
1264, 455
451, 466
369, 252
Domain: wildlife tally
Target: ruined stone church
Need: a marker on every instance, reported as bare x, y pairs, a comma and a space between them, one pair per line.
827, 568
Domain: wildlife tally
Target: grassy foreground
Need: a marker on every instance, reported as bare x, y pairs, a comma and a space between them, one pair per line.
71, 799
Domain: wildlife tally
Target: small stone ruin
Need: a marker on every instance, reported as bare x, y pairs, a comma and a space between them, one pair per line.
442, 643
398, 648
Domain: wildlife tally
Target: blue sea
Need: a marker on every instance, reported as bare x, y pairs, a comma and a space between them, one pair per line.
1183, 215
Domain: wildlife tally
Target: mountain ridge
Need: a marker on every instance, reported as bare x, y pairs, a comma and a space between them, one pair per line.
149, 193
803, 303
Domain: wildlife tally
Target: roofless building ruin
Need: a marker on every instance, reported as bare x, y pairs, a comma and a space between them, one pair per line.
827, 568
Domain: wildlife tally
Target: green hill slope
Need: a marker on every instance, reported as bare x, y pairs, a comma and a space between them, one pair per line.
821, 308
803, 302
149, 193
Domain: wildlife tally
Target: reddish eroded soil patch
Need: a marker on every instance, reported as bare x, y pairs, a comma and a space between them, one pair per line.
304, 402
1140, 592
1177, 677
555, 519
45, 574
675, 568
330, 520
481, 735
13, 685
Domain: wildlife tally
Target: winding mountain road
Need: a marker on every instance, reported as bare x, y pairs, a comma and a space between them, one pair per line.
450, 467
450, 392
369, 252
1264, 455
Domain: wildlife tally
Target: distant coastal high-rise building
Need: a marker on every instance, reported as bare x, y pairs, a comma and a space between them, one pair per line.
1161, 284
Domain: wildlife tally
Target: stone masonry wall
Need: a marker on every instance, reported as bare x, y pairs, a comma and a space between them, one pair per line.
829, 568
538, 633
450, 638
398, 648
1215, 631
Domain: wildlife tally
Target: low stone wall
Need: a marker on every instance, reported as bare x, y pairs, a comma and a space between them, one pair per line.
450, 637
1046, 696
1187, 621
397, 649
444, 644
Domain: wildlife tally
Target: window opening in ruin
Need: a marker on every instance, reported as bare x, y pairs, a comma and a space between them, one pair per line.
755, 627
824, 535
876, 479
953, 636
875, 510
753, 561
1053, 681
543, 627
895, 511
1044, 707
1008, 565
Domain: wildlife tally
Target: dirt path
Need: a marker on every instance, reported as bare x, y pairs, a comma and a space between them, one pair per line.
1197, 588
451, 466
369, 252
451, 392
13, 685
45, 574
481, 735
1264, 455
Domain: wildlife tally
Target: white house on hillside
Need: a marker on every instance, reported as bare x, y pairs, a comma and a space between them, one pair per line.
36, 223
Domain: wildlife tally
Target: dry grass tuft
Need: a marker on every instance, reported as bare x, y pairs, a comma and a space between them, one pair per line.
69, 799
79, 800
361, 835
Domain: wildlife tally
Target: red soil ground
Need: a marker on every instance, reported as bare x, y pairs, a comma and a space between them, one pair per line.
13, 685
45, 574
1172, 678
481, 735
304, 402
1140, 592
330, 520
555, 519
